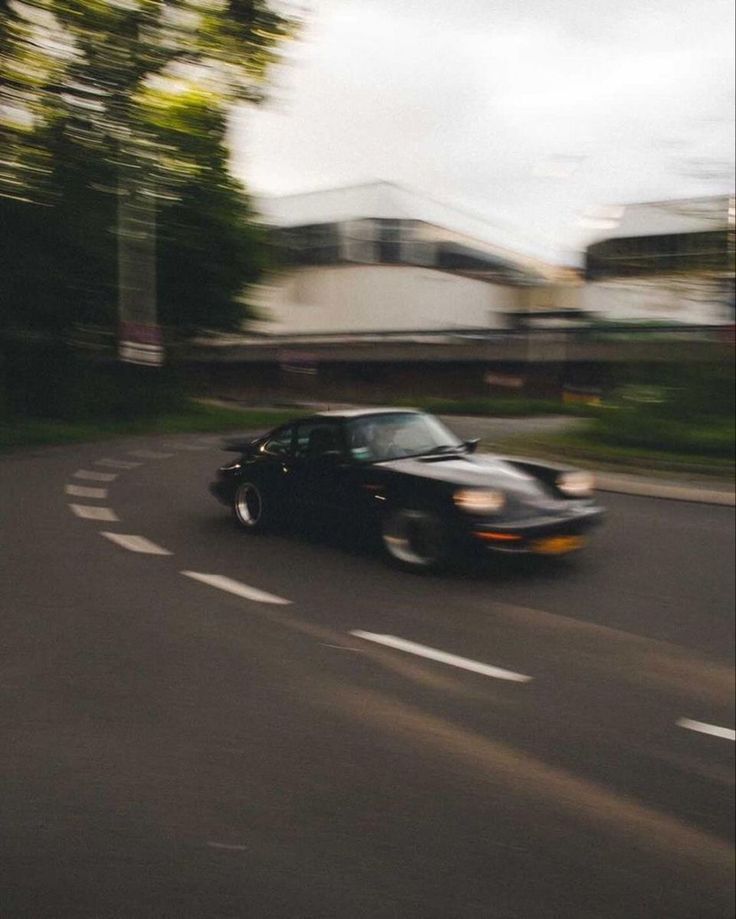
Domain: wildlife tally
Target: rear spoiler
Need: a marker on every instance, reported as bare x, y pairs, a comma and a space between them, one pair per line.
241, 442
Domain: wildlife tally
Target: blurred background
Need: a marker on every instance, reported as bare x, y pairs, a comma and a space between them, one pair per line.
481, 209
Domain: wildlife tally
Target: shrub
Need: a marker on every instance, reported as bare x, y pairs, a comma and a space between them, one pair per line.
42, 378
638, 427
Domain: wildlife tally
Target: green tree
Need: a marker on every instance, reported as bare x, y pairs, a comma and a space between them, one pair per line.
103, 98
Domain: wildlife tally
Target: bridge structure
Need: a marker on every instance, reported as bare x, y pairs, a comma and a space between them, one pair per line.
472, 345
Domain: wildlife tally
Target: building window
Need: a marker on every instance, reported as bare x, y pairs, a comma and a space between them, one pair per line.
390, 239
316, 244
359, 241
651, 255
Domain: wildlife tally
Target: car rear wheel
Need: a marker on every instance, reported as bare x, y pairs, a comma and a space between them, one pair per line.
414, 539
251, 508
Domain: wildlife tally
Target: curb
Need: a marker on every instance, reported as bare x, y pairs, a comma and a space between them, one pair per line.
633, 485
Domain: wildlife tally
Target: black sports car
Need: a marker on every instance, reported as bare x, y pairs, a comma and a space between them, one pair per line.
401, 474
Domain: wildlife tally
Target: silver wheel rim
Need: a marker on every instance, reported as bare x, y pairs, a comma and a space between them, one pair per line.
248, 505
412, 537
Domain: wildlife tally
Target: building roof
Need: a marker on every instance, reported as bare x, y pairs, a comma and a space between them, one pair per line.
388, 200
665, 218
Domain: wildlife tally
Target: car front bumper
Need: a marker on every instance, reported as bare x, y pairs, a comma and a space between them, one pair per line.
557, 535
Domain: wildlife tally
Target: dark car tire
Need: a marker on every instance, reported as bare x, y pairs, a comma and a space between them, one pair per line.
251, 507
415, 539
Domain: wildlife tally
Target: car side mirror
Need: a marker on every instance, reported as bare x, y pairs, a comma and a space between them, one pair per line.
472, 445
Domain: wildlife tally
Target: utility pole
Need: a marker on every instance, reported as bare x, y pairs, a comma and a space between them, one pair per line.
139, 335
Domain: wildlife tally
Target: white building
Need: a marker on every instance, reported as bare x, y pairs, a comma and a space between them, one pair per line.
667, 261
378, 257
381, 258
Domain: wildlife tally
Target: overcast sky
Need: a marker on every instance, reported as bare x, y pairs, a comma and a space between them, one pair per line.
530, 112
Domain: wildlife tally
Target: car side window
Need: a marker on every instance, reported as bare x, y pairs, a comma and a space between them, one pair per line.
280, 444
315, 438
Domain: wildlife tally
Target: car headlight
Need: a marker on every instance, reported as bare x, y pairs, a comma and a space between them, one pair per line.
479, 500
576, 484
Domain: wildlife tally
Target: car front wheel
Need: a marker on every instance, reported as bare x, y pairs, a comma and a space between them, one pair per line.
414, 539
251, 508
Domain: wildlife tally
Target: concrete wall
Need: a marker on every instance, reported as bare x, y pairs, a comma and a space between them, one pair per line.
364, 298
552, 297
667, 299
375, 297
383, 383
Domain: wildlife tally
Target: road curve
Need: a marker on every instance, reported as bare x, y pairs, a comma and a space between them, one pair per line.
203, 723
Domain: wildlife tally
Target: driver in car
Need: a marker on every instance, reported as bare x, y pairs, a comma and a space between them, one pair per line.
383, 441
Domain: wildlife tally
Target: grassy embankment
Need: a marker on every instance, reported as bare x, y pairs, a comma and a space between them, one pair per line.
51, 395
658, 432
193, 418
645, 437
519, 407
581, 447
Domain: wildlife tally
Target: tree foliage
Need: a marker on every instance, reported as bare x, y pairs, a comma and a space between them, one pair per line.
102, 95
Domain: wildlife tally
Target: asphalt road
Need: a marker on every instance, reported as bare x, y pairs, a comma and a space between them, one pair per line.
174, 749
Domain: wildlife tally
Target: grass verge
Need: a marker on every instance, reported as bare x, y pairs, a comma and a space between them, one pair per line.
502, 408
195, 418
204, 417
576, 448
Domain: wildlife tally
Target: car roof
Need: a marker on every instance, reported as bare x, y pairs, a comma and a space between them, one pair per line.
361, 412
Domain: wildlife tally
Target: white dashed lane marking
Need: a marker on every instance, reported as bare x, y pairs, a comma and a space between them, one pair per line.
88, 512
442, 657
142, 545
117, 464
150, 454
136, 543
703, 728
82, 491
91, 476
235, 587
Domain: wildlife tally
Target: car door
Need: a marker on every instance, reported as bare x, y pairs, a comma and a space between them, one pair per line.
320, 468
271, 464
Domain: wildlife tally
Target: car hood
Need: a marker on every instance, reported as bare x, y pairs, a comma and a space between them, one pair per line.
474, 471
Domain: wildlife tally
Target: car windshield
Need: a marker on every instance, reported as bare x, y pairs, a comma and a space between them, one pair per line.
376, 438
